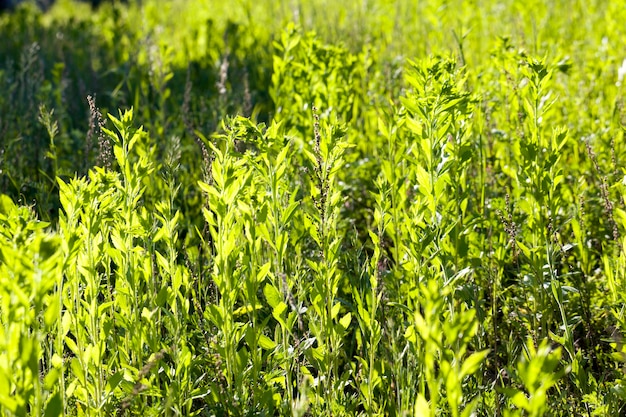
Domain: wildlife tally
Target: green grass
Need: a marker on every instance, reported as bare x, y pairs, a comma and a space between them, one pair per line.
302, 208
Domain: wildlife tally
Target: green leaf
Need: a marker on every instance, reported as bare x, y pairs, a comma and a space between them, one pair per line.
263, 271
209, 217
410, 334
114, 380
525, 249
289, 211
414, 126
51, 379
72, 346
56, 361
319, 353
214, 314
422, 408
520, 401
272, 295
278, 311
51, 314
472, 363
78, 371
206, 187
246, 309
6, 205
102, 308
266, 343
345, 321
374, 237
54, 407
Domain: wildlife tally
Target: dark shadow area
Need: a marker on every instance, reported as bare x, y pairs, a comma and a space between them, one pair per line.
55, 67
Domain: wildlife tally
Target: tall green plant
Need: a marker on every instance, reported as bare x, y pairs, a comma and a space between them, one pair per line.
31, 263
328, 323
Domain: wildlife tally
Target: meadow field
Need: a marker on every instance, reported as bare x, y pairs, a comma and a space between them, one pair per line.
313, 208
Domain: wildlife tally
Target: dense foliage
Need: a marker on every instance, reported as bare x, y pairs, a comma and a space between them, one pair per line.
308, 208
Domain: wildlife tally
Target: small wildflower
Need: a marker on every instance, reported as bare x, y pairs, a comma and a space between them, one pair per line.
621, 73
105, 150
510, 227
221, 84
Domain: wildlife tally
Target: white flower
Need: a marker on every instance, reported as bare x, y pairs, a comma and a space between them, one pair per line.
621, 72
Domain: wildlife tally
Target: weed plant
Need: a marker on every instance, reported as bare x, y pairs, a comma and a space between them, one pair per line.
305, 208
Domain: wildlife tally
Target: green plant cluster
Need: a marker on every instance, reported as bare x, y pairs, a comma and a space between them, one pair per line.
313, 209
